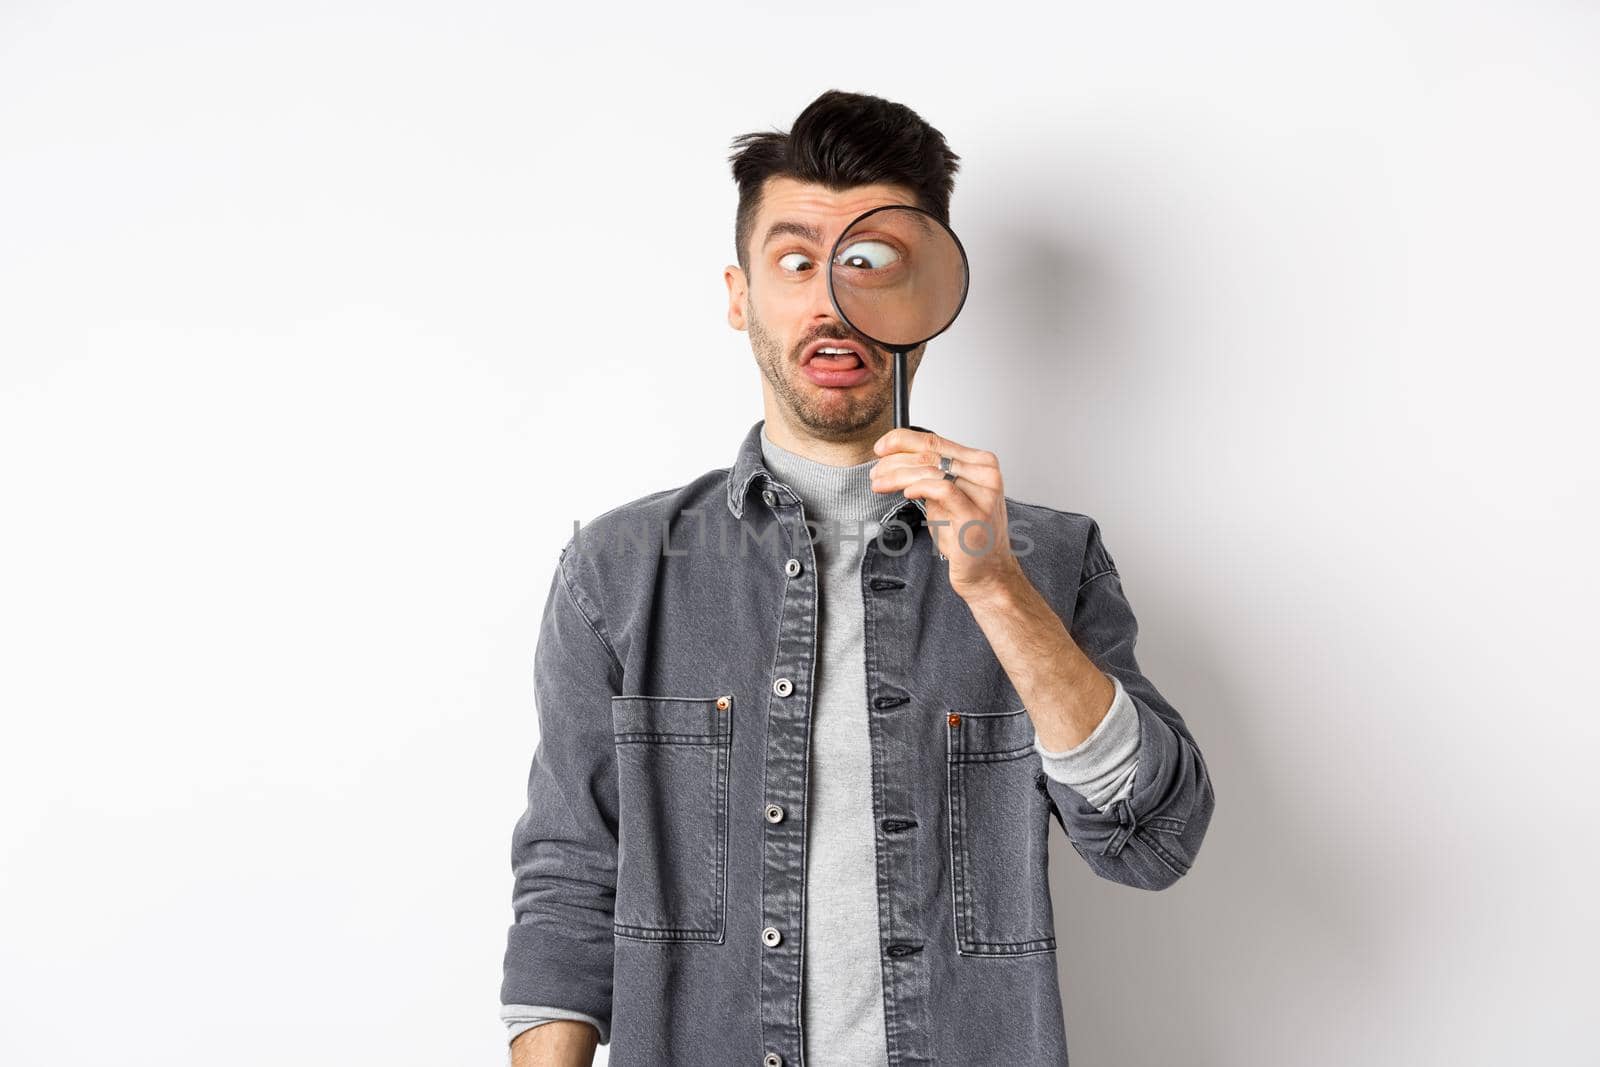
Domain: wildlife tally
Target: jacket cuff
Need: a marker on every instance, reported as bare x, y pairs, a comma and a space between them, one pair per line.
1150, 837
569, 969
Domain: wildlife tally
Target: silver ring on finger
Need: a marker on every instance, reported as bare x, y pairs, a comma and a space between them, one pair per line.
945, 463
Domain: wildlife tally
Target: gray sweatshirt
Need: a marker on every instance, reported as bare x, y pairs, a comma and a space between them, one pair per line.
842, 980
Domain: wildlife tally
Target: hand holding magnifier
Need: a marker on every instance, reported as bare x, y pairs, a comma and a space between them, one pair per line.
898, 276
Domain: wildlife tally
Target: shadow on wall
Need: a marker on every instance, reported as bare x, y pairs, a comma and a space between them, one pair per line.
1156, 977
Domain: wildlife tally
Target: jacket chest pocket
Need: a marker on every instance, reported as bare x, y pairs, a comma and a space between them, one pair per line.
672, 834
999, 835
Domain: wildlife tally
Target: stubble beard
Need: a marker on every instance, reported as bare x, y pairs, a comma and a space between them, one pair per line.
831, 418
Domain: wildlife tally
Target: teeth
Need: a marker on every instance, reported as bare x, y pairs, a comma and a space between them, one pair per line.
835, 351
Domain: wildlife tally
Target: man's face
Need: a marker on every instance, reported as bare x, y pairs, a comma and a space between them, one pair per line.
783, 303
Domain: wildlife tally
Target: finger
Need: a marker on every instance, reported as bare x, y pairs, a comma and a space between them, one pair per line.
904, 467
905, 439
953, 497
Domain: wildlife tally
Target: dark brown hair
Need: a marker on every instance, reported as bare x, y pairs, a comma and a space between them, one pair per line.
842, 140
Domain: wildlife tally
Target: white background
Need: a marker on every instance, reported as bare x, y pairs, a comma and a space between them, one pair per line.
321, 323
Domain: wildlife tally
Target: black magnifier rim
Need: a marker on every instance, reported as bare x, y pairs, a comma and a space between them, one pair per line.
966, 275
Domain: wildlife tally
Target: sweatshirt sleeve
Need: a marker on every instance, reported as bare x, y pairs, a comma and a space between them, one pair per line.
1100, 768
520, 1018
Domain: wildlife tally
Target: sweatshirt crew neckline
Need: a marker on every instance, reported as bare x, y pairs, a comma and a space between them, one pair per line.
841, 494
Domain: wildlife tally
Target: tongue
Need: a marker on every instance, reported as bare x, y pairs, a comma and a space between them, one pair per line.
830, 362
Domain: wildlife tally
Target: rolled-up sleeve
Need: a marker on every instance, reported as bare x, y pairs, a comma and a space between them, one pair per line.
559, 949
1148, 838
1100, 768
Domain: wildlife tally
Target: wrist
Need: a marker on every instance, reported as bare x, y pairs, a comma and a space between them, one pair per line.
1004, 591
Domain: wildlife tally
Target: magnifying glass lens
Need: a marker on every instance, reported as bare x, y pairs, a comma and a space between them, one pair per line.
898, 276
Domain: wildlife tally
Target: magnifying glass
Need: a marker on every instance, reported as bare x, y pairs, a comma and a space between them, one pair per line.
897, 275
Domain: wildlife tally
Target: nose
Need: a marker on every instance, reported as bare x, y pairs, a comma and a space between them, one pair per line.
821, 305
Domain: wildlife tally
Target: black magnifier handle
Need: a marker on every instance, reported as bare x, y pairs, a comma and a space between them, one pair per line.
902, 391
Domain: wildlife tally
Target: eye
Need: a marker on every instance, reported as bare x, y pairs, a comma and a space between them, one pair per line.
794, 261
867, 255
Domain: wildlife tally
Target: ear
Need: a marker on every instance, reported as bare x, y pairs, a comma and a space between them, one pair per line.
738, 293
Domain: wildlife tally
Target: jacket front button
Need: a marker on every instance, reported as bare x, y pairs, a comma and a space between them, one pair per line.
774, 813
772, 1060
770, 936
783, 687
792, 568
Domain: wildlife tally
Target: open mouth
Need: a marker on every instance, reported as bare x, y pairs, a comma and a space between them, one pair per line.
835, 364
832, 357
834, 354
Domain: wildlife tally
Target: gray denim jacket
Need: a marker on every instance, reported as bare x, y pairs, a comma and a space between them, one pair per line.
660, 862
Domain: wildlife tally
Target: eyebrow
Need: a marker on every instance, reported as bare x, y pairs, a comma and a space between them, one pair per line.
798, 229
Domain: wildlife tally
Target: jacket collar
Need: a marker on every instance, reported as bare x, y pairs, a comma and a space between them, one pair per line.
748, 466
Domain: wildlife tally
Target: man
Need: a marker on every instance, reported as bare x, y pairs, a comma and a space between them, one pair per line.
804, 720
